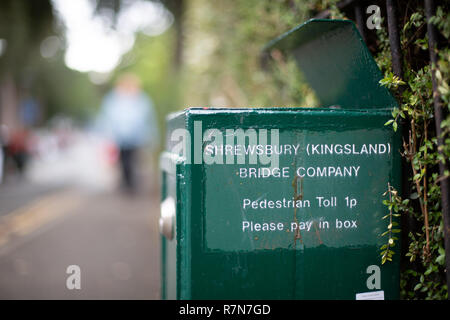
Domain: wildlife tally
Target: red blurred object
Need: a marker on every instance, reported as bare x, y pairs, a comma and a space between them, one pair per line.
111, 153
17, 148
18, 141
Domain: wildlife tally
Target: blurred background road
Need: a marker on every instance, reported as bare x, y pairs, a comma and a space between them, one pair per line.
84, 91
68, 210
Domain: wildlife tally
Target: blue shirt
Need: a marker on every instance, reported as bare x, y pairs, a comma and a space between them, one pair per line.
129, 119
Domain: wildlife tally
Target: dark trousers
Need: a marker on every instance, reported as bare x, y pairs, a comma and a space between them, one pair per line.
128, 167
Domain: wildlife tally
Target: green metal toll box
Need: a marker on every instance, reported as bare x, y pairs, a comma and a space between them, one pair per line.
306, 227
281, 203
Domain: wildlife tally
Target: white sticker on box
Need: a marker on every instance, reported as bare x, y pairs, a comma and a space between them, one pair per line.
373, 295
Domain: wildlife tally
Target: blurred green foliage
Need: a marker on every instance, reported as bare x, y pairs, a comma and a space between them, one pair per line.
223, 54
65, 92
24, 25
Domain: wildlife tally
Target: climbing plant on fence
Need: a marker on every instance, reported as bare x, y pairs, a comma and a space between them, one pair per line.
423, 275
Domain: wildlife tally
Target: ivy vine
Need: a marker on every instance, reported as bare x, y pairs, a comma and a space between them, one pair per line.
424, 275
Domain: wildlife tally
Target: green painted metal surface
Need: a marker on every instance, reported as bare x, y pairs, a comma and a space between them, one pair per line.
215, 257
336, 63
311, 229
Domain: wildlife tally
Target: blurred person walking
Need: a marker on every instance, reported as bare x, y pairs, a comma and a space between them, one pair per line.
127, 114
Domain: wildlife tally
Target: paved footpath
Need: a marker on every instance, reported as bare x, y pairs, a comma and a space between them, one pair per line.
112, 237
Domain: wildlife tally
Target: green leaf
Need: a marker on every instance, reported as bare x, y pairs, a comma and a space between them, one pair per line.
414, 195
440, 259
